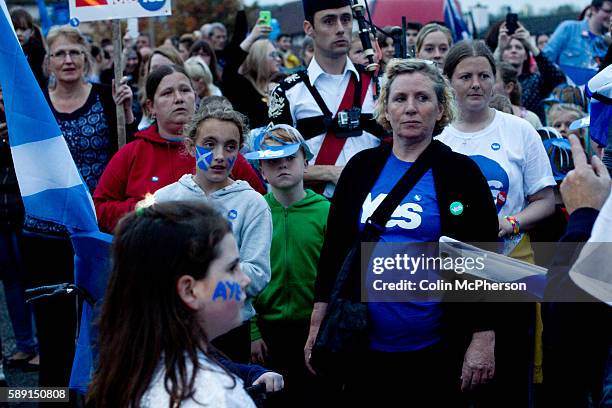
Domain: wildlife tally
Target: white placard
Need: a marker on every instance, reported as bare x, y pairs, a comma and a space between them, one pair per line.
93, 10
132, 28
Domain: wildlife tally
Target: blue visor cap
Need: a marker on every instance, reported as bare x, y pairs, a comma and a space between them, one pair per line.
284, 149
581, 123
277, 152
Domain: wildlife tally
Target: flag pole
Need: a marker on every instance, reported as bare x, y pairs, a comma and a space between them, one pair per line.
117, 63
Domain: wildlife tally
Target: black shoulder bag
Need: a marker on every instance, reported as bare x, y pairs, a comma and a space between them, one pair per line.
344, 329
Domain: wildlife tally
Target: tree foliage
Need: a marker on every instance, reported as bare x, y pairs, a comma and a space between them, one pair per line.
189, 15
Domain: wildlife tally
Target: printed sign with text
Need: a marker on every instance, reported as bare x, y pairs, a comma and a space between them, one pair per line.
93, 10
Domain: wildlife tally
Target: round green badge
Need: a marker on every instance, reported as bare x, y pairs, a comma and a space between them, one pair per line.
456, 208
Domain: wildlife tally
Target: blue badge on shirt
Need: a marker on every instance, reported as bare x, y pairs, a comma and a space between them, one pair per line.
496, 146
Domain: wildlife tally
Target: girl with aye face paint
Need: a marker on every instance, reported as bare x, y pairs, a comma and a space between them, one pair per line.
184, 255
214, 137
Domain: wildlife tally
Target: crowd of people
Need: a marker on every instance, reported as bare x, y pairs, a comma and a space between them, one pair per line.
255, 166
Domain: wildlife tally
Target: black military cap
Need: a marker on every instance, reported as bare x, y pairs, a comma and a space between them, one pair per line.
312, 6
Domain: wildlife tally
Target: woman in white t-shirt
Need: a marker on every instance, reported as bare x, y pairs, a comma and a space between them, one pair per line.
512, 158
507, 149
176, 284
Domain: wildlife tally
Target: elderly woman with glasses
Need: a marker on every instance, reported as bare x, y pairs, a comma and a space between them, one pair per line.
248, 72
85, 112
438, 346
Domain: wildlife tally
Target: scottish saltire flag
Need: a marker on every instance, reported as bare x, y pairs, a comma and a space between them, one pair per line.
92, 266
50, 183
45, 21
599, 89
51, 186
454, 21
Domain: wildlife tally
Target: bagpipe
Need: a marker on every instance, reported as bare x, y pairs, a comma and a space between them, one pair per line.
361, 13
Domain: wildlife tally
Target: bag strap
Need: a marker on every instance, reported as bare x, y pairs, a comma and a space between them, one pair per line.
332, 145
315, 94
376, 223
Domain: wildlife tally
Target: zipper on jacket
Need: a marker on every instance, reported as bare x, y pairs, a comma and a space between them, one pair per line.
285, 263
172, 169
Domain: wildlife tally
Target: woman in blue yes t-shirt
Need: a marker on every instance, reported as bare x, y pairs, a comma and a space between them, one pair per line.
428, 351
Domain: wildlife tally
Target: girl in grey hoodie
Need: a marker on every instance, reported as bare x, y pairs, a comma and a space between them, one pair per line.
214, 137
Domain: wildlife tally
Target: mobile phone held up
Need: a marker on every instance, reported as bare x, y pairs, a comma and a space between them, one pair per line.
511, 22
265, 18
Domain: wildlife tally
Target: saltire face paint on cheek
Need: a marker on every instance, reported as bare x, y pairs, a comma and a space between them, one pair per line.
231, 161
227, 291
204, 158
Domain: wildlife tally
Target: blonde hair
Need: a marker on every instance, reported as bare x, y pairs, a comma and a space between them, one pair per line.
73, 35
564, 108
501, 103
432, 28
197, 69
219, 111
286, 133
442, 89
256, 67
165, 51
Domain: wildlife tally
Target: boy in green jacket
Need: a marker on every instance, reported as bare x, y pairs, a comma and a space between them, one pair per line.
280, 328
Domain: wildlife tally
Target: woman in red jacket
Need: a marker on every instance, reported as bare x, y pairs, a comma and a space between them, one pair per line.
157, 157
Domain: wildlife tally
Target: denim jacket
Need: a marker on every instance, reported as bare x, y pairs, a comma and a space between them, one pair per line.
572, 45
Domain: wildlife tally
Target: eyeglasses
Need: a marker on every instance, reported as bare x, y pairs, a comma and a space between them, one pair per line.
61, 55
